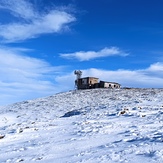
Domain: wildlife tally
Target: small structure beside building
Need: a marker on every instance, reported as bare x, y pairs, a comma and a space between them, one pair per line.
92, 82
105, 84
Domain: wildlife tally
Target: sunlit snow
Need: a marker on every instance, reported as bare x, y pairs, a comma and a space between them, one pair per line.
89, 126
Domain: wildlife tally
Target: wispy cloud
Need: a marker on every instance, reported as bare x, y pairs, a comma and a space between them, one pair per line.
24, 77
18, 8
88, 55
32, 22
156, 67
151, 77
143, 78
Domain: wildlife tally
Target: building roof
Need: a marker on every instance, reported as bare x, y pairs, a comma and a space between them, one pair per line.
89, 77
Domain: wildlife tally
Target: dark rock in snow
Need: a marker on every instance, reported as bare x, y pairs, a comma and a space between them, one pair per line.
72, 113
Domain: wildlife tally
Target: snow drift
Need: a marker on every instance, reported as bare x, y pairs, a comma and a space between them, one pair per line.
93, 126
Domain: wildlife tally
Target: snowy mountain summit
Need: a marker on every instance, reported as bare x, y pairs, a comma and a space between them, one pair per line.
88, 126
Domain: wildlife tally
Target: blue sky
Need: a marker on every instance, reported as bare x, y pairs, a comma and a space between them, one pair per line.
43, 41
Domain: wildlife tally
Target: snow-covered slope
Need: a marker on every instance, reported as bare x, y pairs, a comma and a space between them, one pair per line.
90, 126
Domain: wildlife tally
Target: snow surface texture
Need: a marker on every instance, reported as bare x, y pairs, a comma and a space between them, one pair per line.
89, 126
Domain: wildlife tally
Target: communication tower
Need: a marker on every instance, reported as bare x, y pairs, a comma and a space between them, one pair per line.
78, 74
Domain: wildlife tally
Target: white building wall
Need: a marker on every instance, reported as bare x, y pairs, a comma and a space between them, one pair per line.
106, 85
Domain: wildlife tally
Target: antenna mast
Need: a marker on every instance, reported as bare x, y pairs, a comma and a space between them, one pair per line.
78, 74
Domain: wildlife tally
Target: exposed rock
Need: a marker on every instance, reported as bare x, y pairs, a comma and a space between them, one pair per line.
2, 136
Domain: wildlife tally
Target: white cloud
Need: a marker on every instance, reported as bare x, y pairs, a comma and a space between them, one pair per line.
22, 8
32, 22
24, 77
130, 78
142, 78
156, 67
88, 55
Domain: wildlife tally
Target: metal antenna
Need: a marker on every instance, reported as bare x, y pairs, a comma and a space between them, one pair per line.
78, 74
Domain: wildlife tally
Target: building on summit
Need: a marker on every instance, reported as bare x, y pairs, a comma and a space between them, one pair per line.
92, 82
